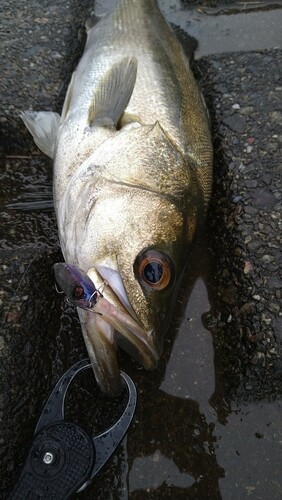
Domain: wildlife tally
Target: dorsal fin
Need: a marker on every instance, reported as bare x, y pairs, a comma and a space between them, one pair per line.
113, 93
188, 42
92, 21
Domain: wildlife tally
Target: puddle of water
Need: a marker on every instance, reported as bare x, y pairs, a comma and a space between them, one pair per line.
190, 370
242, 31
249, 448
154, 470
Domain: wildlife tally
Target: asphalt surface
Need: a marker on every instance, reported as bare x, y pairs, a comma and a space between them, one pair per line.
40, 336
245, 99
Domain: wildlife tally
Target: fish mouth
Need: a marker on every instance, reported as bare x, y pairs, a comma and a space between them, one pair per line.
112, 323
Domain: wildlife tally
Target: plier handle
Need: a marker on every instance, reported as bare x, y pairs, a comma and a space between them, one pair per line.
63, 458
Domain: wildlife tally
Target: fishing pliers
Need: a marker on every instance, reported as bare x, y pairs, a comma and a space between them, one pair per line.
63, 459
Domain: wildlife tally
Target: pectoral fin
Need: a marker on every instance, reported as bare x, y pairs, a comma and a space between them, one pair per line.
113, 93
43, 126
68, 98
128, 119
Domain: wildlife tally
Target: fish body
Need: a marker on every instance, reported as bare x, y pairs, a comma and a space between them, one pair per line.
132, 178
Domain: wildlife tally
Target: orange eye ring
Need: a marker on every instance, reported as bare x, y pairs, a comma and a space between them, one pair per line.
154, 270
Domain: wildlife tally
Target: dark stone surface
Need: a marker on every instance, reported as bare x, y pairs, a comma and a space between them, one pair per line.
40, 45
236, 123
41, 42
247, 197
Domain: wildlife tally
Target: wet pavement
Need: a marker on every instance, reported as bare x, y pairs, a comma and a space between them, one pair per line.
208, 421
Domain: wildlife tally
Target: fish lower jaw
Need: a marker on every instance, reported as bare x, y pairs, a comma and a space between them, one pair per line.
102, 335
129, 329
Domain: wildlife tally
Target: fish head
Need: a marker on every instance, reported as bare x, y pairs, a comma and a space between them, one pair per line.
130, 230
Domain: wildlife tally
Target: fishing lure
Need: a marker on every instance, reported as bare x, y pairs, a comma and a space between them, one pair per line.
76, 284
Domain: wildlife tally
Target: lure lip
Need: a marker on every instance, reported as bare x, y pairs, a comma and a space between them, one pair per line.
104, 324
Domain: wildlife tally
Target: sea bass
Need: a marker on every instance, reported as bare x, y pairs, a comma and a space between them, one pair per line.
132, 179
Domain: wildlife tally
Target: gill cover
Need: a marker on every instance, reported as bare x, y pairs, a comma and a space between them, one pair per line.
144, 158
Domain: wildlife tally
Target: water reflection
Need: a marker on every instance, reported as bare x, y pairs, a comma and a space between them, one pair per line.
229, 28
176, 454
151, 472
249, 448
190, 370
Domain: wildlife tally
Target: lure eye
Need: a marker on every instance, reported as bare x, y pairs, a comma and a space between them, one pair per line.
154, 269
78, 292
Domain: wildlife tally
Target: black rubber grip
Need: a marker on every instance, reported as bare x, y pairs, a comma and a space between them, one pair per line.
59, 462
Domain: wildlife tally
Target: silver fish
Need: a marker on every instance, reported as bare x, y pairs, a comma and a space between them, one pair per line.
132, 178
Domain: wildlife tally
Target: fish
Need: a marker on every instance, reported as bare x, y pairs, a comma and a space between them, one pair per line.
133, 160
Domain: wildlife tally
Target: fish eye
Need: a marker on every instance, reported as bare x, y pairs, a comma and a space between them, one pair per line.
154, 269
78, 292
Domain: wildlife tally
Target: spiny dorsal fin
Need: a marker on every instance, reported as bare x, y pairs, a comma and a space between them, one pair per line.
188, 42
43, 126
93, 20
113, 93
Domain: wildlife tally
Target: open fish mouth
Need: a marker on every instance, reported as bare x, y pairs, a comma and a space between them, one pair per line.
106, 322
103, 328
